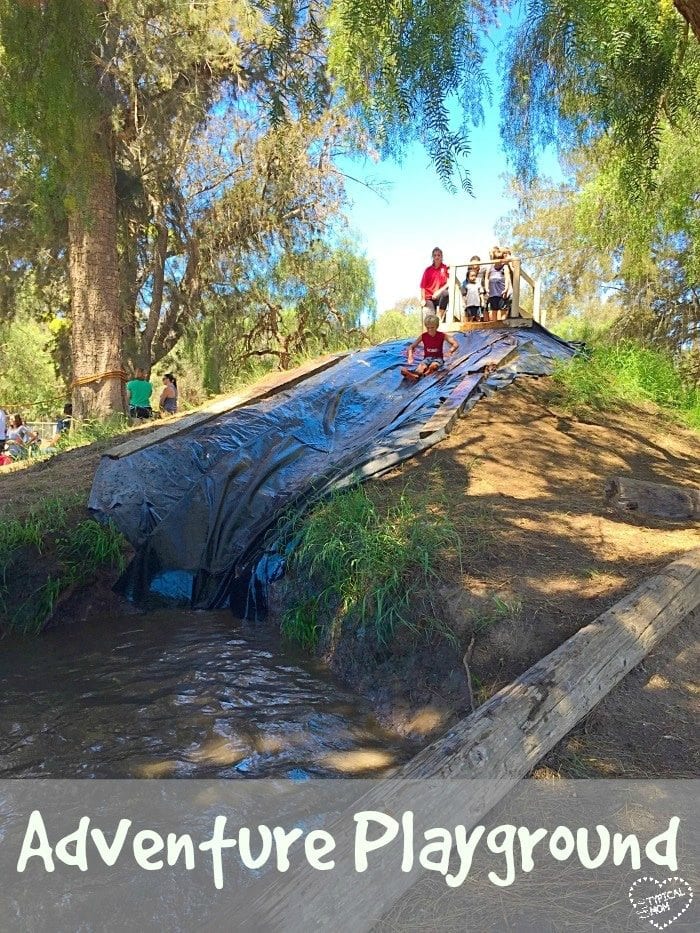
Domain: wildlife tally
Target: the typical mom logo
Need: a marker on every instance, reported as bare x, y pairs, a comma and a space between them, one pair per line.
660, 902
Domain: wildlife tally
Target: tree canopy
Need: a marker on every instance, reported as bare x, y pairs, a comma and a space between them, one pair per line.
581, 70
169, 146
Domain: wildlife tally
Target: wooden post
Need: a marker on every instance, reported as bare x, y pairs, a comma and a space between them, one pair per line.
536, 310
450, 316
500, 743
515, 266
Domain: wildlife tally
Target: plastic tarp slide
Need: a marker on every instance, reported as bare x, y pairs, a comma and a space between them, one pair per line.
197, 506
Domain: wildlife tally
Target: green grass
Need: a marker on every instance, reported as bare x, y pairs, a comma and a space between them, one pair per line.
372, 564
503, 610
89, 546
44, 553
627, 372
89, 432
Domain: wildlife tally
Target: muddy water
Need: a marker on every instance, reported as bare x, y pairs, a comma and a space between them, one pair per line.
178, 694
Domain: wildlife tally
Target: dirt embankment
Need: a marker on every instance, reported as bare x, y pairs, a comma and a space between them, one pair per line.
543, 555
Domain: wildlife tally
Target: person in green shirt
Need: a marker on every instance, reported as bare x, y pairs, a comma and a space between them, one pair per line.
140, 391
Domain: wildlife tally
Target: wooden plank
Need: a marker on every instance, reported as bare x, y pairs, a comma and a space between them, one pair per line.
499, 744
444, 418
491, 325
660, 500
448, 412
264, 388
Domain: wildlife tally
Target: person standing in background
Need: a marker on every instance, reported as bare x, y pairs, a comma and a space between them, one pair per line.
498, 286
168, 397
140, 390
471, 290
434, 290
3, 429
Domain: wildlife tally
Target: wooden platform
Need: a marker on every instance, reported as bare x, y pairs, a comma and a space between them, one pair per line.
508, 323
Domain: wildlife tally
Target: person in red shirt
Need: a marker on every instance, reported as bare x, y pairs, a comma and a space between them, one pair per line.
433, 341
434, 290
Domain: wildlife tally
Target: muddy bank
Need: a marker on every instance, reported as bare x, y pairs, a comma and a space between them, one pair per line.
542, 556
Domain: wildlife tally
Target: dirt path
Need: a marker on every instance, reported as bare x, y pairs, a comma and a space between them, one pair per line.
525, 485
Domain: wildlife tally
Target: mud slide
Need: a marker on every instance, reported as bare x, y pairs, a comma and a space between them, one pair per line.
197, 506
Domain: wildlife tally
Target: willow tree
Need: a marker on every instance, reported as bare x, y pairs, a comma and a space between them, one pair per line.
582, 70
89, 89
616, 85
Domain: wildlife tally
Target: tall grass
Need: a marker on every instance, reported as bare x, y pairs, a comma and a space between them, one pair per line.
45, 553
89, 432
375, 565
627, 372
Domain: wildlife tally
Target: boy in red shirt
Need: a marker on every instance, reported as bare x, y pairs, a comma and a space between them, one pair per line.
432, 340
434, 288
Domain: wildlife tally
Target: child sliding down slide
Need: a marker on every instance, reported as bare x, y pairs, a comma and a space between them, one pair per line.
432, 341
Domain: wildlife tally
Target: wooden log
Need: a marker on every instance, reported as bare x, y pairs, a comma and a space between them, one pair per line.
656, 499
500, 743
492, 325
509, 734
263, 388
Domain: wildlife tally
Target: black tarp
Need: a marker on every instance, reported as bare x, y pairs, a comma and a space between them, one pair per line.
197, 506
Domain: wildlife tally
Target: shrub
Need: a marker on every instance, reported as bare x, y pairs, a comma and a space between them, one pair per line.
374, 564
627, 372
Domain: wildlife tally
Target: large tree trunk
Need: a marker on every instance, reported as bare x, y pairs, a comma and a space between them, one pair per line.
690, 11
96, 325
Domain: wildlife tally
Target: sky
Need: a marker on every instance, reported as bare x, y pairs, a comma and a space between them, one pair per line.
399, 231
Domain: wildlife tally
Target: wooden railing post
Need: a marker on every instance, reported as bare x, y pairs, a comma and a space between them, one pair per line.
515, 266
452, 307
536, 302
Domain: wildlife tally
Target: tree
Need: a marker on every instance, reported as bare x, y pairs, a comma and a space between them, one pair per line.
54, 102
690, 11
582, 69
572, 268
93, 92
586, 239
309, 300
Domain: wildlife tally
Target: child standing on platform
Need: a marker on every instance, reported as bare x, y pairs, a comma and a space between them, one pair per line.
472, 291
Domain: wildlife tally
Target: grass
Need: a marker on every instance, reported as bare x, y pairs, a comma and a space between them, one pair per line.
89, 432
627, 372
355, 560
503, 610
45, 553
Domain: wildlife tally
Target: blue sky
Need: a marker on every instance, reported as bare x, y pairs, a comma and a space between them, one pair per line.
399, 232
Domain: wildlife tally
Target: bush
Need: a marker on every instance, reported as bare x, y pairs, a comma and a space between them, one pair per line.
46, 552
627, 372
352, 559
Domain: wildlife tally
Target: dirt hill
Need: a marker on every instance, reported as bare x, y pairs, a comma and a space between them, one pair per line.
543, 555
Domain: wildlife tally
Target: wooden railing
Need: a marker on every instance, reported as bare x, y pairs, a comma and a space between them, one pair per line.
518, 274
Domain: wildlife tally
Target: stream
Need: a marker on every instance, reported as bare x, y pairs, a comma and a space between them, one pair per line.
180, 694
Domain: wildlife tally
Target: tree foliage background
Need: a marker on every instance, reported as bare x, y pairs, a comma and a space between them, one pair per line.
221, 123
615, 86
220, 126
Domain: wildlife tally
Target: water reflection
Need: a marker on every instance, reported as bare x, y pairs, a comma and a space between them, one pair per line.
179, 694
